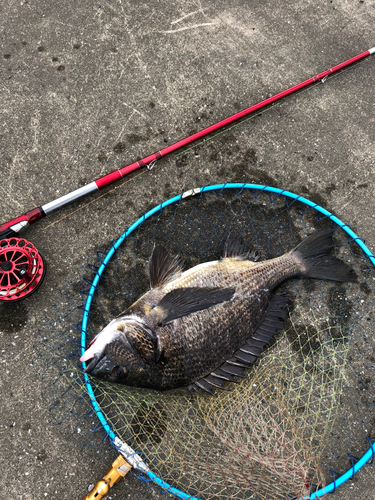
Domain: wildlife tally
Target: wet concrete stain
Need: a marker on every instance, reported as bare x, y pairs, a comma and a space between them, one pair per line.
129, 140
41, 456
330, 188
135, 138
182, 161
342, 310
304, 340
243, 167
168, 191
13, 317
26, 426
102, 157
119, 148
244, 172
202, 110
366, 289
214, 156
251, 156
316, 197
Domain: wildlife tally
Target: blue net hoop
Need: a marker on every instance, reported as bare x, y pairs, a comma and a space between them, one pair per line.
331, 487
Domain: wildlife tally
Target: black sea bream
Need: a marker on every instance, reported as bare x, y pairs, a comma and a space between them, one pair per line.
201, 327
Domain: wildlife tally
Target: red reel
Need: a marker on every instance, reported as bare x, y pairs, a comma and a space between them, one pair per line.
22, 269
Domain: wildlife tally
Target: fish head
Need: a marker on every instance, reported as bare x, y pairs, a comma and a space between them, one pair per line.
122, 352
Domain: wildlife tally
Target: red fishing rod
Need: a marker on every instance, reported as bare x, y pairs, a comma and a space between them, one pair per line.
22, 267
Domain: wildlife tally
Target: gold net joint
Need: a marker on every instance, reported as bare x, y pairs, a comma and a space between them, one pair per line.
118, 469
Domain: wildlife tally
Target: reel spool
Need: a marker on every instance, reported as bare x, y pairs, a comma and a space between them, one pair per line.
22, 269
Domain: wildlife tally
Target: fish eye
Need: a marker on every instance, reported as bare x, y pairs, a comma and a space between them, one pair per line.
119, 371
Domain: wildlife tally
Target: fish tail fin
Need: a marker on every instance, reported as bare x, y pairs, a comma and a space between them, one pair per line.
314, 253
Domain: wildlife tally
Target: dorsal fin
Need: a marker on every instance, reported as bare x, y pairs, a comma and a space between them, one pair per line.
233, 248
272, 320
163, 267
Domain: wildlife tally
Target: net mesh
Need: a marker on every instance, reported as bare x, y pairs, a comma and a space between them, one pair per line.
302, 410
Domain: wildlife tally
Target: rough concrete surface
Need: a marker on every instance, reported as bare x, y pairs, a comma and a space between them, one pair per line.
89, 86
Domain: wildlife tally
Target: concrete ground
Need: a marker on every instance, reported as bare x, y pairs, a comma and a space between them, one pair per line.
87, 87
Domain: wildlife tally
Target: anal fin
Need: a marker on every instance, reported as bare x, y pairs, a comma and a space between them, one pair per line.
272, 320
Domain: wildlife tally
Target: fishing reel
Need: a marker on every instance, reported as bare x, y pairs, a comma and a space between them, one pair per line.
22, 269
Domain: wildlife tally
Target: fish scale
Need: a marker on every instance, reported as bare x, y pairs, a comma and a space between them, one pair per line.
215, 334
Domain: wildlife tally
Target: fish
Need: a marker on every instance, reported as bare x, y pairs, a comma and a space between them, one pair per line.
202, 327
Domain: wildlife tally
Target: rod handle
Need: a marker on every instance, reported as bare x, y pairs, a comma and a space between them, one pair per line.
14, 226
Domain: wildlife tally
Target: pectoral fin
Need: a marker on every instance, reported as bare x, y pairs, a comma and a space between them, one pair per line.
184, 301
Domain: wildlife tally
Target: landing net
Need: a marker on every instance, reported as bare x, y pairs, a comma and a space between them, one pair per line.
303, 415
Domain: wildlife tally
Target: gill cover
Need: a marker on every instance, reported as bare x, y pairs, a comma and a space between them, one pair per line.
119, 361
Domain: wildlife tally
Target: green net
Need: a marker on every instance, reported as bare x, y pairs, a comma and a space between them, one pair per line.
302, 411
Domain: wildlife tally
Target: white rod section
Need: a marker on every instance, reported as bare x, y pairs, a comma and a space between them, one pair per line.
68, 198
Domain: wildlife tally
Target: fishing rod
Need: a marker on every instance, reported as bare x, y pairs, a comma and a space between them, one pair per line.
22, 267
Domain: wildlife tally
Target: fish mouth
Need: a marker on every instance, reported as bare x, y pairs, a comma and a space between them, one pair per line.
93, 363
100, 366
